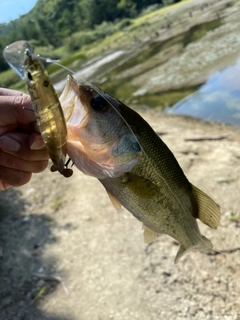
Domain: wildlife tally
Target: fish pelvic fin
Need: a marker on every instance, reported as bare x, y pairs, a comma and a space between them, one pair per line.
208, 211
149, 235
117, 205
203, 245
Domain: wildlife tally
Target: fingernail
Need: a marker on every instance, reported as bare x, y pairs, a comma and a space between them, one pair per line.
37, 144
6, 186
9, 144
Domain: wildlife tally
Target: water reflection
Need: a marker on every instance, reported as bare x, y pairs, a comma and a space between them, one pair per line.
217, 100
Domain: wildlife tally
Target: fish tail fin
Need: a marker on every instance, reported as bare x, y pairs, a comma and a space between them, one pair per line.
204, 244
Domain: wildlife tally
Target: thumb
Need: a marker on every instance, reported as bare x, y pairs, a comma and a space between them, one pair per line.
36, 142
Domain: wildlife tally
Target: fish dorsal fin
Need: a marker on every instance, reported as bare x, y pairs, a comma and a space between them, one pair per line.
149, 235
208, 210
117, 205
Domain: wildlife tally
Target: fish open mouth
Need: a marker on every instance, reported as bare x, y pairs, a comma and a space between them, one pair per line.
71, 102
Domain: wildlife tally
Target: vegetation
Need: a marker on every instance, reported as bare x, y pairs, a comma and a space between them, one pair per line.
52, 24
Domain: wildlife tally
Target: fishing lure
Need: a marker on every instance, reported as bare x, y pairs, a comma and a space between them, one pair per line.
46, 106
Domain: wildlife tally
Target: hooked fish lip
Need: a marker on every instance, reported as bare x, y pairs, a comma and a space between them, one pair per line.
78, 89
71, 84
72, 102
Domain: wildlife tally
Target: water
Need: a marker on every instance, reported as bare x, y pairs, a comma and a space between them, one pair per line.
217, 100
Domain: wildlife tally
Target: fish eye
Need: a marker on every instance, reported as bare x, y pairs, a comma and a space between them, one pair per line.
29, 76
99, 104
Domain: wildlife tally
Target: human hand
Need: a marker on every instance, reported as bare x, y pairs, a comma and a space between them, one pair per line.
22, 149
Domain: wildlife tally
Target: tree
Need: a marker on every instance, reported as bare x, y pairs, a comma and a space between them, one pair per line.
97, 11
128, 8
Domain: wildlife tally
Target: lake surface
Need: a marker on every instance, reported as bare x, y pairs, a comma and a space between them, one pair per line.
217, 100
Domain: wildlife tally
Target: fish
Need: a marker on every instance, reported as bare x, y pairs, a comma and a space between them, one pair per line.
46, 106
113, 143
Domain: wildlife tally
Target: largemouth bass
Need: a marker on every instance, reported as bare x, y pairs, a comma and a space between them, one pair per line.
110, 141
45, 102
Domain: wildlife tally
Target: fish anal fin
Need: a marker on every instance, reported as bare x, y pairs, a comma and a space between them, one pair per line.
208, 210
149, 235
117, 205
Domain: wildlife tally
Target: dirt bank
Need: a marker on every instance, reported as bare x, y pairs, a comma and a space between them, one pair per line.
68, 228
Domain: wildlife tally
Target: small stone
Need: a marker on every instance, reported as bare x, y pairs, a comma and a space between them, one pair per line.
21, 314
167, 273
29, 295
26, 218
29, 192
218, 280
87, 218
40, 270
40, 284
222, 180
22, 303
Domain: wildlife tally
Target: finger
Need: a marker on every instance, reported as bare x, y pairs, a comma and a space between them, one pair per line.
12, 177
10, 161
10, 92
4, 185
9, 144
17, 104
17, 144
35, 141
14, 112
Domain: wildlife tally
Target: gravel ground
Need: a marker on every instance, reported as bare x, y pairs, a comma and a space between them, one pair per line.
91, 262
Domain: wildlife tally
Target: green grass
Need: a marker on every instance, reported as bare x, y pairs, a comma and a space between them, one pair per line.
56, 204
197, 32
77, 57
234, 218
156, 14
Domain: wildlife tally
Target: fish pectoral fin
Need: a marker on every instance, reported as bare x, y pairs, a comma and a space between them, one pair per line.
149, 235
208, 210
117, 205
